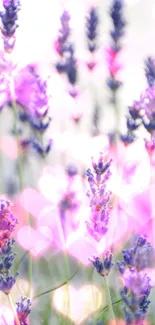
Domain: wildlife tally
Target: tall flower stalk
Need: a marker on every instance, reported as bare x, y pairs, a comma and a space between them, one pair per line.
92, 24
97, 225
116, 13
9, 17
103, 268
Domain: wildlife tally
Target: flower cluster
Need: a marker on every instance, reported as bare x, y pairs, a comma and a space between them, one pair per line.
99, 198
116, 14
103, 268
9, 25
137, 285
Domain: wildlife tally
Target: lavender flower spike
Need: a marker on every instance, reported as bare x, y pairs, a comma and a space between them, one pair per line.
137, 285
9, 25
119, 23
150, 71
99, 197
7, 222
23, 310
91, 25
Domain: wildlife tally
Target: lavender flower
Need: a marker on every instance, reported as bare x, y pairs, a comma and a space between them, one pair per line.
71, 67
99, 197
6, 256
138, 256
61, 44
71, 170
42, 151
103, 268
148, 119
68, 202
23, 310
7, 222
127, 138
67, 63
7, 282
91, 26
150, 71
134, 119
143, 112
6, 248
137, 285
9, 25
116, 14
117, 31
31, 95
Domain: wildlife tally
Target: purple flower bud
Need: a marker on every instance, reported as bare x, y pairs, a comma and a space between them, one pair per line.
103, 268
23, 310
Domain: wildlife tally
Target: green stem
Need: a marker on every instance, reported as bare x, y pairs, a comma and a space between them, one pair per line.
19, 161
29, 274
109, 299
13, 309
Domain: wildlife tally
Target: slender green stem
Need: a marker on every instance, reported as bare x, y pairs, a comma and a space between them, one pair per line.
56, 286
29, 273
19, 161
109, 299
13, 309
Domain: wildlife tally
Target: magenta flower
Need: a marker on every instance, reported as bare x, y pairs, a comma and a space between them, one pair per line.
112, 61
31, 92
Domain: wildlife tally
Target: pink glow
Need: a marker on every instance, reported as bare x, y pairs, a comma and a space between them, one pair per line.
8, 145
6, 316
34, 240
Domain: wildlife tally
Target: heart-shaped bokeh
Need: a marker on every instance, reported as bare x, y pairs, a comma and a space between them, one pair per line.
77, 304
33, 240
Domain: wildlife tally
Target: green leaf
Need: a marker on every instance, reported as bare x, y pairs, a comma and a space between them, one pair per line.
56, 286
106, 307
